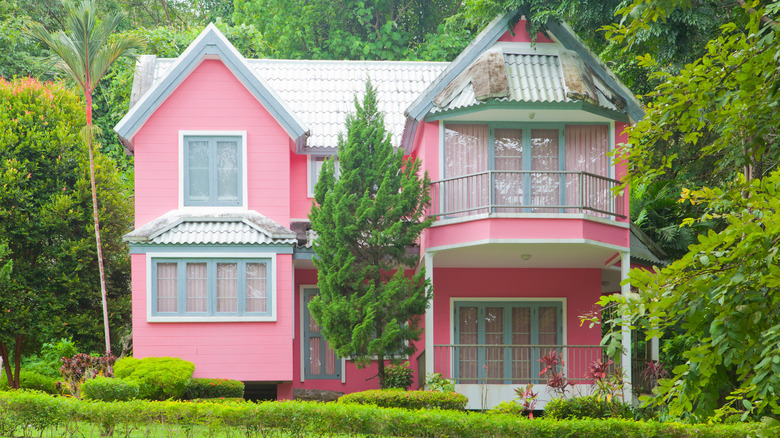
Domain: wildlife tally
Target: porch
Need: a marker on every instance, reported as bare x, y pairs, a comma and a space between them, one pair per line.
521, 191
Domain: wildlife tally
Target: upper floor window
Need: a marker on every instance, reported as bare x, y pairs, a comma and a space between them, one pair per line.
220, 287
213, 170
315, 168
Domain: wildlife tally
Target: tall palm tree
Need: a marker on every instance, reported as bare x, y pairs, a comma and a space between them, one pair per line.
84, 51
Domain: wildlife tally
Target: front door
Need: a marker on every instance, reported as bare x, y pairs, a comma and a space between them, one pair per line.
320, 361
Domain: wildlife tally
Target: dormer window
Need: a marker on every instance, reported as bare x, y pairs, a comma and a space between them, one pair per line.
213, 169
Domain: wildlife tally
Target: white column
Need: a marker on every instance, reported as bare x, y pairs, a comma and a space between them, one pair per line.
625, 290
429, 317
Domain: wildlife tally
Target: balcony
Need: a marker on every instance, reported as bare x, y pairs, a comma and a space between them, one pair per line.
519, 191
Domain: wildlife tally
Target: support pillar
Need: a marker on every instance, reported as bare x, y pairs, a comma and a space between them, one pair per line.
625, 290
429, 354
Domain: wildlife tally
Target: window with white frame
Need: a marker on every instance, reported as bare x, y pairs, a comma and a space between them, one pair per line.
315, 168
212, 170
501, 342
211, 287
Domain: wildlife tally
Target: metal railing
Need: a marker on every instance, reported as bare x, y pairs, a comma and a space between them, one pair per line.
521, 191
512, 364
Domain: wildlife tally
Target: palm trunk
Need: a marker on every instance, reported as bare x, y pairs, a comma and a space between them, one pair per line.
90, 147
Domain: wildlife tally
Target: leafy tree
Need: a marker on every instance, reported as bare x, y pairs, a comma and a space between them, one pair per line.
84, 53
368, 307
45, 217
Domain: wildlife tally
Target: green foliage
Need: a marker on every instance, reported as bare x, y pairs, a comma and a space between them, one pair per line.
367, 306
109, 389
48, 361
510, 407
200, 388
437, 382
399, 376
160, 378
587, 407
394, 398
719, 294
34, 381
36, 413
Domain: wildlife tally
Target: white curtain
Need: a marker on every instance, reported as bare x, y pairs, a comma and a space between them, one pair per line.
227, 287
545, 156
256, 287
167, 287
197, 287
466, 152
509, 157
586, 150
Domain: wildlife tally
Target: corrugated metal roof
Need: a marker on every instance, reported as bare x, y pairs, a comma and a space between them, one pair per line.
640, 252
240, 228
321, 93
218, 233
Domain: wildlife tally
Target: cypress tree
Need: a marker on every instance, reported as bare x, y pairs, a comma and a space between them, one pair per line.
368, 307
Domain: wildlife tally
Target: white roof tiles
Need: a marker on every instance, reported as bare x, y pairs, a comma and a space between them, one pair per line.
321, 93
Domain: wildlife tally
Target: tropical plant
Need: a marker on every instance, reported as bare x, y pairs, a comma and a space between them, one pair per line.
556, 380
84, 53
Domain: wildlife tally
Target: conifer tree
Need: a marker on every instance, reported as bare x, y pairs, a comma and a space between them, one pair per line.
368, 307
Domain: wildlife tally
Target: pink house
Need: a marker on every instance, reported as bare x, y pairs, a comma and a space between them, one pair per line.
528, 234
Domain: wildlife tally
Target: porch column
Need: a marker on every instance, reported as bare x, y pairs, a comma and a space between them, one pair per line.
625, 290
429, 317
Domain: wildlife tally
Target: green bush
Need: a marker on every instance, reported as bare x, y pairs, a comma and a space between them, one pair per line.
510, 407
437, 382
399, 376
48, 361
31, 380
109, 389
159, 378
220, 400
586, 407
214, 388
394, 398
32, 413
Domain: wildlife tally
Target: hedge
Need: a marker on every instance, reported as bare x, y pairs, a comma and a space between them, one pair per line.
587, 407
41, 412
395, 398
159, 378
214, 388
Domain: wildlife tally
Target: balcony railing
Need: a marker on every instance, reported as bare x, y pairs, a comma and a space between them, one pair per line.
504, 191
512, 364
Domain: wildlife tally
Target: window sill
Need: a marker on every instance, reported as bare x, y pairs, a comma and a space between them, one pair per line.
175, 319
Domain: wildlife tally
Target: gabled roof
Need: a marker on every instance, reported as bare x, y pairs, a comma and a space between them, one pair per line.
189, 228
210, 43
321, 93
582, 76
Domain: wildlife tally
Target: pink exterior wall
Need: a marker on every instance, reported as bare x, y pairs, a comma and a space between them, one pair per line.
621, 167
521, 35
300, 203
211, 98
249, 351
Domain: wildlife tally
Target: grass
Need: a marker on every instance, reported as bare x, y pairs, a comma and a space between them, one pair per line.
88, 430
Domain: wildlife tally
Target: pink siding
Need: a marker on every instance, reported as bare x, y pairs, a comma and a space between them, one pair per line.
300, 203
621, 168
521, 35
252, 351
211, 98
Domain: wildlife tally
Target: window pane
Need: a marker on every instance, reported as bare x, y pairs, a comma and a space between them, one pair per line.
198, 170
494, 335
197, 287
315, 355
256, 287
587, 148
227, 171
545, 187
509, 159
167, 287
466, 153
468, 328
548, 325
521, 335
227, 287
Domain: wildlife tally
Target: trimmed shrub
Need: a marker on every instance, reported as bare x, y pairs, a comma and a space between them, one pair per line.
219, 400
159, 378
31, 380
399, 376
510, 407
201, 388
587, 407
32, 413
394, 398
109, 389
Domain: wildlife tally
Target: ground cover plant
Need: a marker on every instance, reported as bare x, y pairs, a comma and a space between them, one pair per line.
28, 414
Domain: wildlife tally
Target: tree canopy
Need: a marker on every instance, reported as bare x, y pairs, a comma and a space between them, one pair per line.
369, 306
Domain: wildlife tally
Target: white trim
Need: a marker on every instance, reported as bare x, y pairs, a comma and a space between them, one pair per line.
581, 216
309, 186
211, 255
244, 174
537, 48
490, 241
429, 317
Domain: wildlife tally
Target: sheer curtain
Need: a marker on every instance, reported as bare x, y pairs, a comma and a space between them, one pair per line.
509, 158
197, 287
256, 287
545, 187
521, 335
466, 152
227, 287
167, 287
586, 150
467, 357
